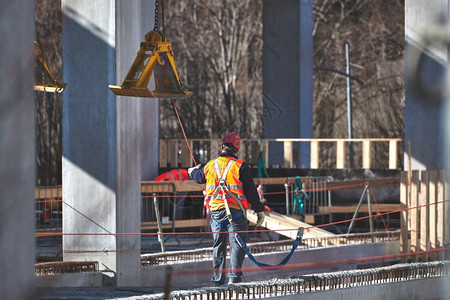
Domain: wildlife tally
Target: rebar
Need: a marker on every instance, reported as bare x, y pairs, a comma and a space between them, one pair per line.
315, 282
59, 267
175, 257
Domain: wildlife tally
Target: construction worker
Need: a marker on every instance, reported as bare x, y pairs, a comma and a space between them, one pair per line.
230, 190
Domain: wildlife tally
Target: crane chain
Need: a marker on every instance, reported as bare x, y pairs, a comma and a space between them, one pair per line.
162, 15
156, 15
157, 4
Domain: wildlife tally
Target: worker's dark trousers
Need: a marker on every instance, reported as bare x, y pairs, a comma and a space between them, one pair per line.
219, 223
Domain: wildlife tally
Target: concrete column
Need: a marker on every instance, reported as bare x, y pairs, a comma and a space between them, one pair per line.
150, 138
101, 135
426, 122
17, 163
135, 19
287, 82
423, 117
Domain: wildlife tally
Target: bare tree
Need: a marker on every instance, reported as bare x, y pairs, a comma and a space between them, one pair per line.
48, 106
374, 31
218, 51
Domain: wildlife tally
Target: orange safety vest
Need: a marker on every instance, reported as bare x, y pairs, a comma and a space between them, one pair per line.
219, 167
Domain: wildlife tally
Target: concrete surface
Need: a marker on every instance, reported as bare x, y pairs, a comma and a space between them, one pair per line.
102, 134
424, 118
92, 279
421, 289
17, 144
196, 273
199, 273
425, 288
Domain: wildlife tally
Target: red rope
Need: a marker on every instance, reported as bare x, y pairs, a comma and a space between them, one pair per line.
248, 231
184, 133
378, 209
190, 233
267, 193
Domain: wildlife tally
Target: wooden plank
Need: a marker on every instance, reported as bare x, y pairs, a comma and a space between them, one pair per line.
153, 225
178, 224
188, 186
172, 150
440, 213
254, 152
305, 139
414, 213
47, 192
340, 154
432, 211
363, 208
168, 155
214, 148
170, 186
424, 215
314, 158
335, 139
266, 152
404, 243
310, 219
393, 150
162, 153
191, 186
344, 184
359, 184
288, 154
287, 226
150, 187
366, 154
186, 158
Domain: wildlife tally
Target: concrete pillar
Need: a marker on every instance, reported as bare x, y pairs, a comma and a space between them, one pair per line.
17, 163
426, 122
423, 117
101, 135
150, 138
287, 82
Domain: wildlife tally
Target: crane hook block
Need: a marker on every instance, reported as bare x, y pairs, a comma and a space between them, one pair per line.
43, 79
154, 56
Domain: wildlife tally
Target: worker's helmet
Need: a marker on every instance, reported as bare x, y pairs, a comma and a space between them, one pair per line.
232, 139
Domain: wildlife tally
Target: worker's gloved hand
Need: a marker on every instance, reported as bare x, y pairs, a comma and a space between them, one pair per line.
260, 219
193, 168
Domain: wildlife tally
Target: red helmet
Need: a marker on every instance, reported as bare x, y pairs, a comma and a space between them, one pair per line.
232, 139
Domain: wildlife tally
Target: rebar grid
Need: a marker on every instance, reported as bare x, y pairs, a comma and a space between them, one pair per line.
270, 247
50, 268
314, 282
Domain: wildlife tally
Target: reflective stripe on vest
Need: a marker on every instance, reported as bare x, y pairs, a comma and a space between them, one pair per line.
230, 186
221, 196
232, 180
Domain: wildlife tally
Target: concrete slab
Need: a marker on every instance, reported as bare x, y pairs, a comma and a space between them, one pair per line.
199, 273
93, 279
